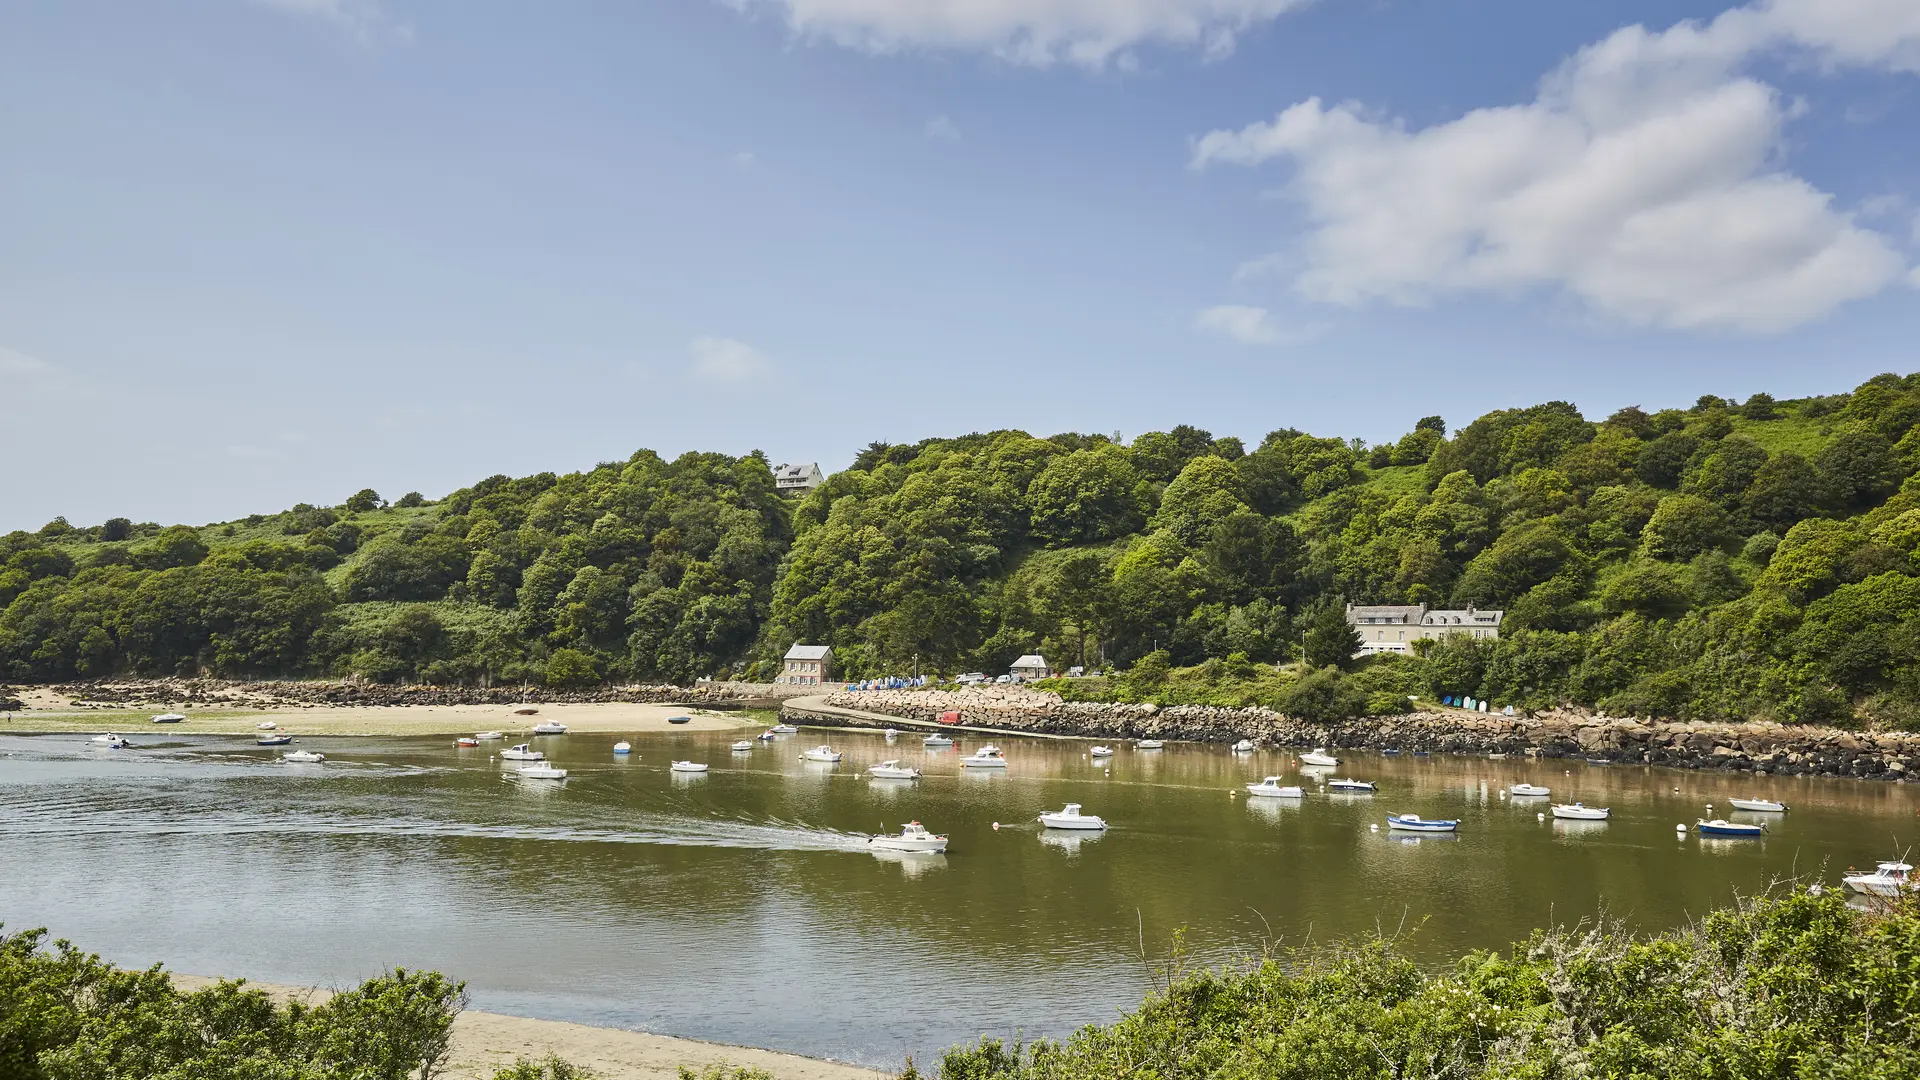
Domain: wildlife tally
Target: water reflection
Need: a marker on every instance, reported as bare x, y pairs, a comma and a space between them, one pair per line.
912, 863
1069, 840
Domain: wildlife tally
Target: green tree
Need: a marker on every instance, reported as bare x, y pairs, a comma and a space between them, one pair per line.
1330, 640
1683, 526
571, 668
363, 500
1088, 496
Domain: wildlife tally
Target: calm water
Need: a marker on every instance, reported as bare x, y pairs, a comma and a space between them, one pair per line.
740, 906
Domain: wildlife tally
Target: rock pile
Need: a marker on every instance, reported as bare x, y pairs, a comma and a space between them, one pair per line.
1755, 746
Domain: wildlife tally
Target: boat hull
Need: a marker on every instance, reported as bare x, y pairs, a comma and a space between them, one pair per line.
1321, 760
1258, 792
1758, 806
1083, 824
1752, 832
932, 846
1581, 813
1404, 825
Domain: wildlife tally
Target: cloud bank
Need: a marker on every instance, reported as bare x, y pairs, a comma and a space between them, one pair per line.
1643, 180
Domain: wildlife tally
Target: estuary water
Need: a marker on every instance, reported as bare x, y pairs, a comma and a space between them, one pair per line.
741, 905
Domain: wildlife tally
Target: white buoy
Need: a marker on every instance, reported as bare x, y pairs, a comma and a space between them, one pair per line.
1373, 828
996, 826
1540, 817
1681, 828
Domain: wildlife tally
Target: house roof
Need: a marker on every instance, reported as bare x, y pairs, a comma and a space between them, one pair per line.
1031, 660
1463, 617
1406, 613
809, 652
795, 472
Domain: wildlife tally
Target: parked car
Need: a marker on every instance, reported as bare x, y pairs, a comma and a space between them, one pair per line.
972, 678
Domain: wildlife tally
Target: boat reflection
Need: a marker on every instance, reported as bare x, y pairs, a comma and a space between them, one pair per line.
912, 863
1273, 809
1412, 840
1570, 827
1069, 841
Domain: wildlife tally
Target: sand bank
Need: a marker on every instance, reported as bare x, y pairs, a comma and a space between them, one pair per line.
47, 714
483, 1042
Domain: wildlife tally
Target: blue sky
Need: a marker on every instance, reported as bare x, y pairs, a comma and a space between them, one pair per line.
256, 252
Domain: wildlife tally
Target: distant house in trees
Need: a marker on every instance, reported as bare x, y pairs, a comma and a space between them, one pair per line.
806, 665
1030, 667
1393, 628
797, 479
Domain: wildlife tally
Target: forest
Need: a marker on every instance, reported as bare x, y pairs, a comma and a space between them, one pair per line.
1726, 559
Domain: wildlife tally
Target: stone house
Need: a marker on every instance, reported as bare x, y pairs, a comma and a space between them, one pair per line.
1393, 628
806, 665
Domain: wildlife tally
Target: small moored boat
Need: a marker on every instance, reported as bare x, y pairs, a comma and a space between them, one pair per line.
1101, 751
623, 747
1350, 784
466, 741
913, 837
742, 746
549, 727
522, 752
688, 766
112, 741
273, 740
893, 770
987, 757
169, 718
936, 740
822, 752
1244, 746
1763, 806
1889, 879
784, 729
490, 736
540, 771
1529, 790
266, 725
1149, 744
1071, 818
679, 719
1721, 827
1580, 812
1319, 756
765, 736
1416, 823
302, 757
1271, 788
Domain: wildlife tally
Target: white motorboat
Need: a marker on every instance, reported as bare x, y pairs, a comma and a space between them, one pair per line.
893, 770
1101, 751
987, 757
623, 747
266, 725
540, 771
784, 729
521, 752
742, 746
169, 718
936, 740
1319, 756
1889, 879
688, 766
1071, 818
273, 740
1244, 746
1529, 790
112, 741
1580, 812
549, 727
1763, 806
913, 837
1417, 824
822, 752
1271, 788
1150, 744
765, 736
1350, 784
490, 736
891, 734
1722, 827
302, 757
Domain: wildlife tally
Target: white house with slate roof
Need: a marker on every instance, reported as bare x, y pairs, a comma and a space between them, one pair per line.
797, 479
1030, 667
1393, 628
806, 665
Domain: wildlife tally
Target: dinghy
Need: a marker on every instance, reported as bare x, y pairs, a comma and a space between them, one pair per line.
1101, 751
1149, 744
1417, 824
742, 746
1244, 746
273, 740
490, 736
623, 747
466, 741
784, 729
1720, 827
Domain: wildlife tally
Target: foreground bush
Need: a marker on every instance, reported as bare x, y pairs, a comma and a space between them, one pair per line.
67, 1015
1793, 986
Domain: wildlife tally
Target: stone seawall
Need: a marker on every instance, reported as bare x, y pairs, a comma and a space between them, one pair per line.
1755, 747
220, 693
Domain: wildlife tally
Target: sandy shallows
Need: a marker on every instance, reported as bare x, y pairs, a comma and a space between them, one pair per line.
448, 720
483, 1042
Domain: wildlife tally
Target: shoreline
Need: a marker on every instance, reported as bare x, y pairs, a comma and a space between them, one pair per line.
444, 721
484, 1042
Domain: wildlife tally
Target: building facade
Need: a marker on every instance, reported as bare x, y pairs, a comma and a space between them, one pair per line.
806, 665
1030, 667
797, 479
1393, 628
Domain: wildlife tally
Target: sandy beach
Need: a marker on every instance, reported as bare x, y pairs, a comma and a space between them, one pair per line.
47, 711
483, 1042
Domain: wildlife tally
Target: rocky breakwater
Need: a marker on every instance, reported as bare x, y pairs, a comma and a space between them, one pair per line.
1758, 747
220, 693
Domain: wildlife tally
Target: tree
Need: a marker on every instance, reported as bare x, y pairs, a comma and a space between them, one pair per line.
1684, 526
1785, 490
1330, 640
116, 529
410, 499
1323, 695
571, 668
1087, 496
363, 500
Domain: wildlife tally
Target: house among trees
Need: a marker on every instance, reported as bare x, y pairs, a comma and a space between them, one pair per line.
1030, 667
797, 479
1393, 628
806, 665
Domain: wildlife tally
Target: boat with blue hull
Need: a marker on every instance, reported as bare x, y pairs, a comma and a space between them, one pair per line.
1414, 823
1719, 827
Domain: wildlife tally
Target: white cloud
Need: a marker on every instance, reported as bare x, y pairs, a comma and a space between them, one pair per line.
1642, 180
941, 129
724, 360
20, 365
1038, 32
1246, 324
743, 159
362, 18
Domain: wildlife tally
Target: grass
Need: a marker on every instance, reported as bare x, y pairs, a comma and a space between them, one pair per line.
1805, 436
